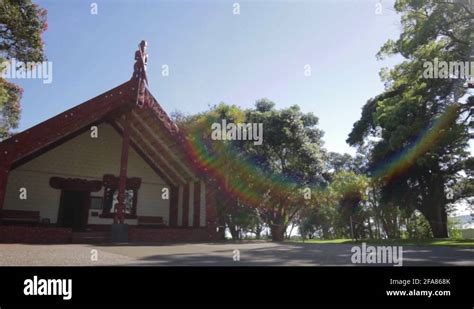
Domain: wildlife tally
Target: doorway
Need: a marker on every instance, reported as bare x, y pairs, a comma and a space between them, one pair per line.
73, 209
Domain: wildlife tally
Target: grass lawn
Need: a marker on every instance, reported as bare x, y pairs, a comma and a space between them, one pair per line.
460, 243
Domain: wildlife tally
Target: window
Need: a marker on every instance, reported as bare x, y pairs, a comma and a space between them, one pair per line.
96, 202
110, 200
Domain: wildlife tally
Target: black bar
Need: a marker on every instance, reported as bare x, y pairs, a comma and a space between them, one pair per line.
239, 285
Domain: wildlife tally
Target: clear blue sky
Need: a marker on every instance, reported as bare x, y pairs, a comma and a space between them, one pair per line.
216, 56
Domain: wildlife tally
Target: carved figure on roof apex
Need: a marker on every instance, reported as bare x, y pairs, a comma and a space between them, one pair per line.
141, 60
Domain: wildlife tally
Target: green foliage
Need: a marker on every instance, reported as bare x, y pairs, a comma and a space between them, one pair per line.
417, 227
454, 231
21, 26
348, 185
321, 222
268, 177
340, 203
405, 112
10, 108
412, 141
292, 153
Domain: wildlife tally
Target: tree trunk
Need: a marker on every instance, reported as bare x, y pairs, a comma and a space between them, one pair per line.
389, 221
434, 210
221, 226
221, 233
277, 231
371, 235
325, 230
258, 233
291, 230
234, 232
438, 220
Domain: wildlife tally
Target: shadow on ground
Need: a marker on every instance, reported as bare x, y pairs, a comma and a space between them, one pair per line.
283, 254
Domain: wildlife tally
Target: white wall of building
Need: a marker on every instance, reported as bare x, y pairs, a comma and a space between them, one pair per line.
86, 158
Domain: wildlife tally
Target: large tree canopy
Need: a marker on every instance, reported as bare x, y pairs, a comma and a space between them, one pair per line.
269, 176
292, 154
420, 125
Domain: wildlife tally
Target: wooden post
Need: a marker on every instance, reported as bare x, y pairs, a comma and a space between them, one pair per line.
120, 211
4, 170
197, 204
173, 221
185, 222
5, 165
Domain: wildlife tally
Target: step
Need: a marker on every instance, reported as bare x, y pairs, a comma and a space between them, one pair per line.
90, 237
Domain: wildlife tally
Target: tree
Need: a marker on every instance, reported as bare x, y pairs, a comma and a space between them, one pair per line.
21, 26
290, 159
269, 177
320, 220
346, 191
10, 109
242, 219
419, 124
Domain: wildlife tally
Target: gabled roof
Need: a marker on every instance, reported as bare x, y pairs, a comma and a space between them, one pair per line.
153, 134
